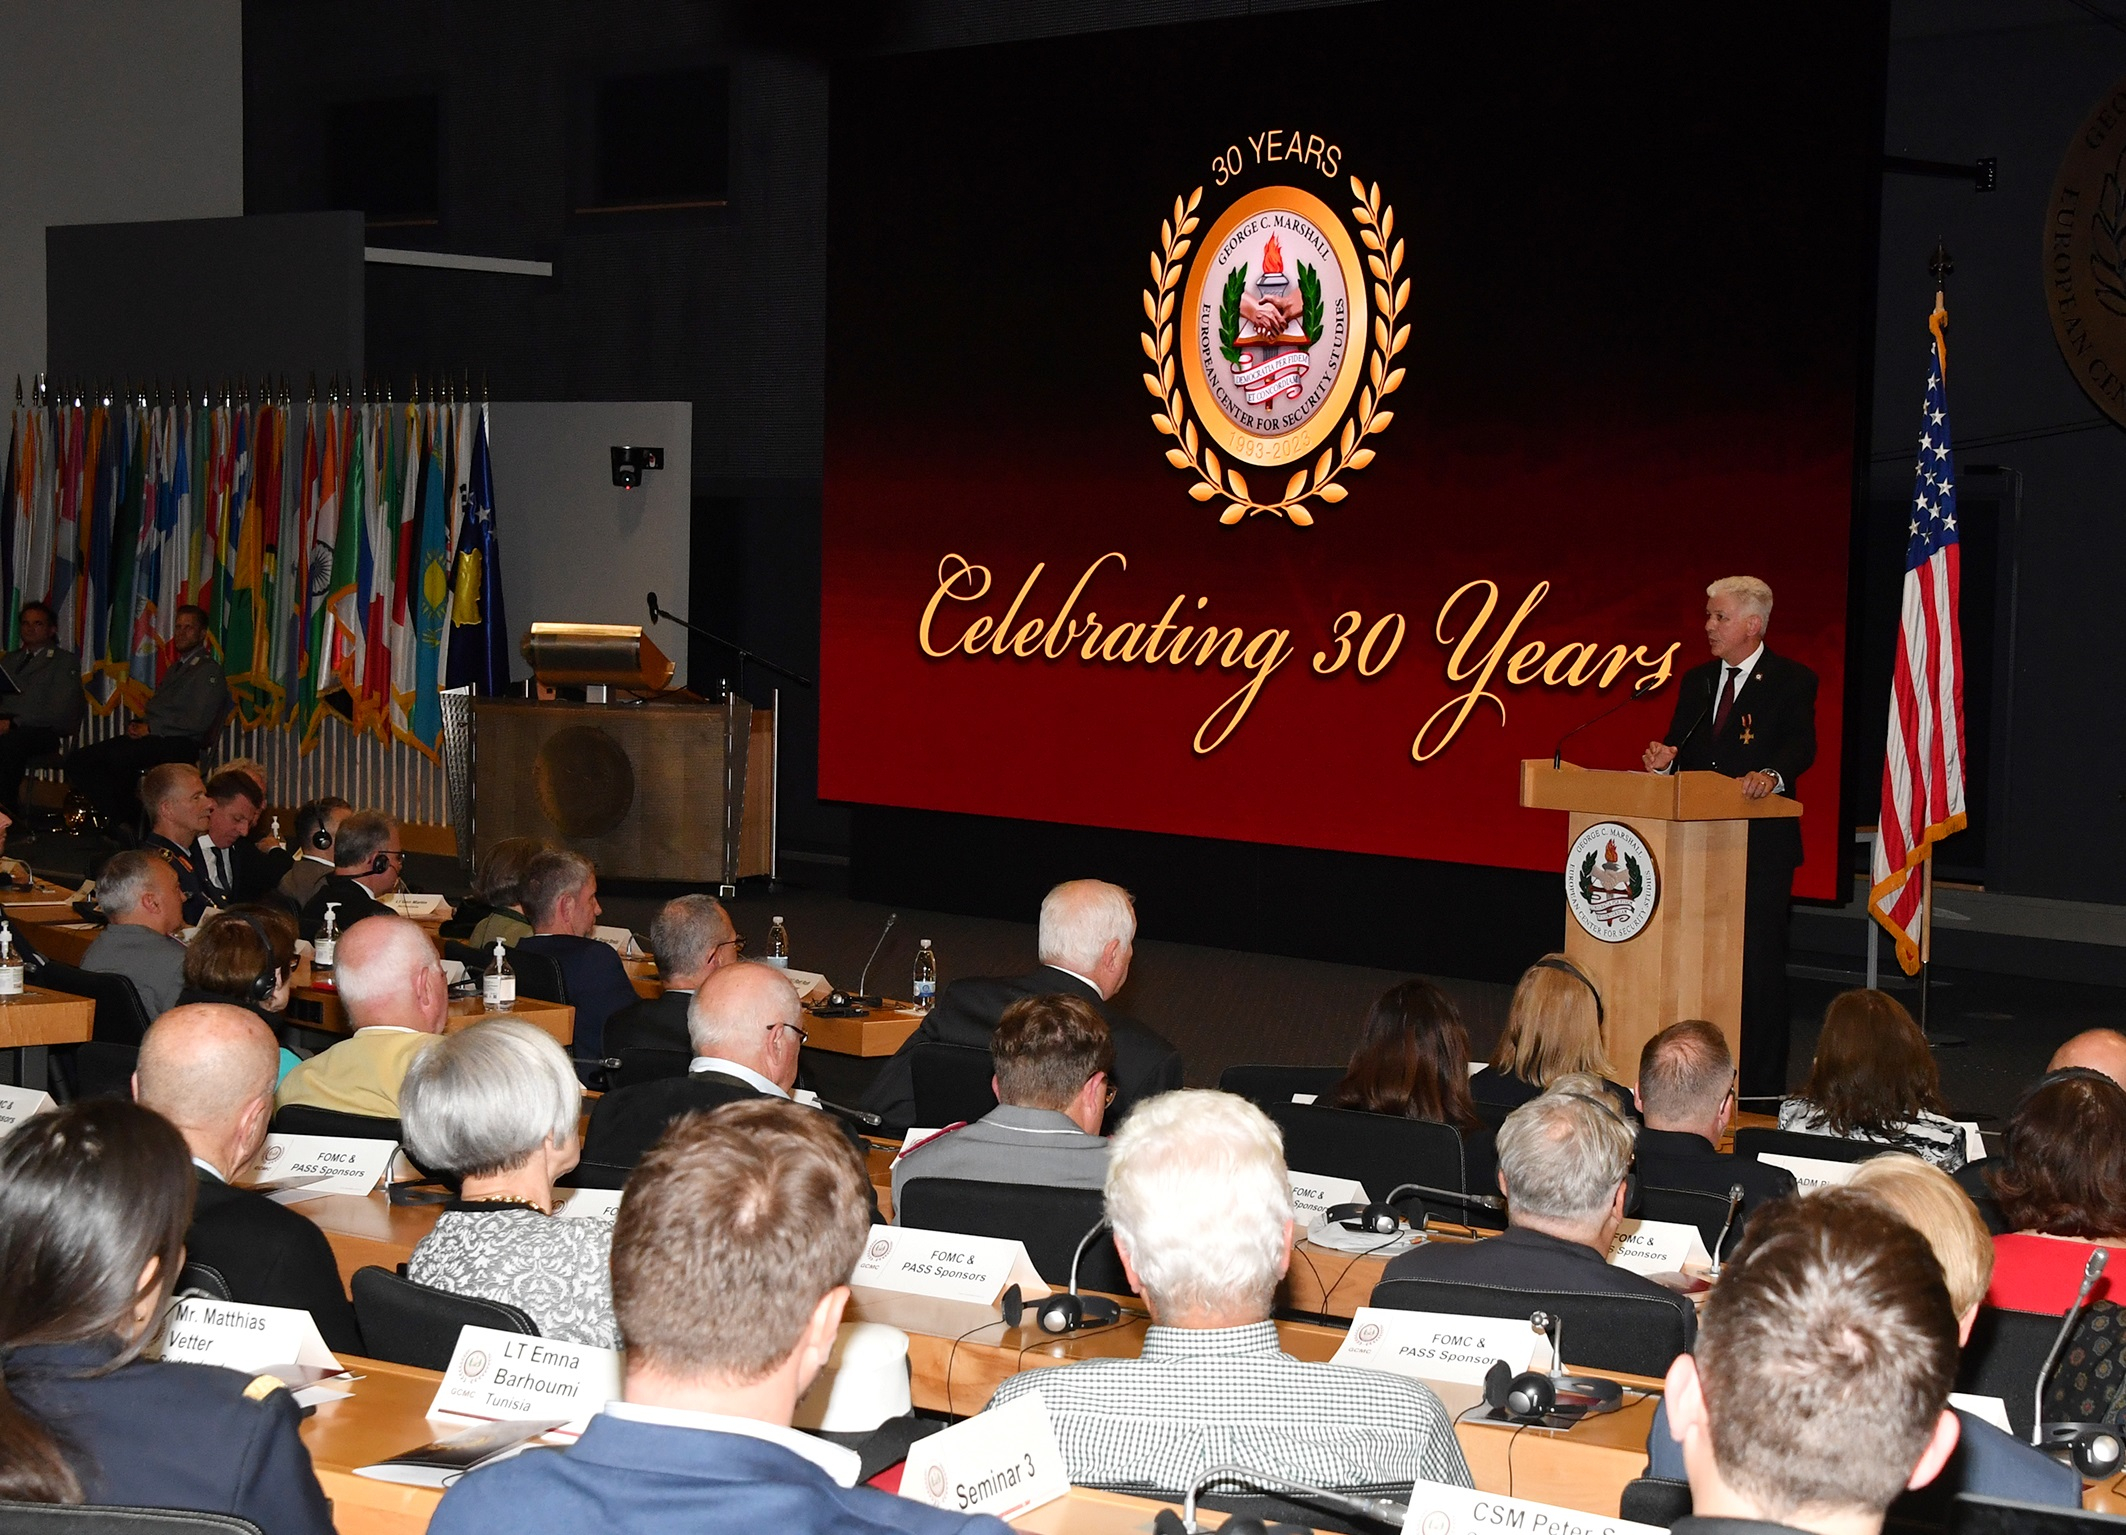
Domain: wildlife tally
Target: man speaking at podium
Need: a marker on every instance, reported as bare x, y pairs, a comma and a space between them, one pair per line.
1751, 715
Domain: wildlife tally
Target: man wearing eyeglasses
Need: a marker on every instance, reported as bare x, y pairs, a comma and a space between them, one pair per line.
692, 938
366, 862
1687, 1094
746, 1040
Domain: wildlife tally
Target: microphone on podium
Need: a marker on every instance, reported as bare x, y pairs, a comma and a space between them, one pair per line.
654, 614
1639, 690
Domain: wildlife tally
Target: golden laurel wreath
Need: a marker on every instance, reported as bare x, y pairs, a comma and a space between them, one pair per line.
1376, 227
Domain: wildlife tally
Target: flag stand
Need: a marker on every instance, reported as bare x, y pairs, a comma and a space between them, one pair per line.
1926, 957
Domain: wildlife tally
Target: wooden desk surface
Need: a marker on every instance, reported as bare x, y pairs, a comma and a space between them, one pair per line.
45, 903
556, 1018
40, 1017
881, 1031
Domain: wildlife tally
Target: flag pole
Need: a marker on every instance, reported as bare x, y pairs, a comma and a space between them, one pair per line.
1940, 267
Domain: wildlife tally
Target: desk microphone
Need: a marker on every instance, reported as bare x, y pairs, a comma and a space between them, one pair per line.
1381, 1510
2095, 1448
1734, 1203
1067, 1313
864, 1117
1639, 690
654, 614
1380, 1216
863, 982
1704, 710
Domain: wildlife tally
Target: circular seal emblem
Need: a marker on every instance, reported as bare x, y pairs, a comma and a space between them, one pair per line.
474, 1365
2085, 254
1272, 341
274, 1153
1438, 1522
1369, 1332
934, 1479
1610, 882
880, 1248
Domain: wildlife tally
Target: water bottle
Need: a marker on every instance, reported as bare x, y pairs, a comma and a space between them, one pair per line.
328, 938
778, 945
926, 977
498, 986
10, 966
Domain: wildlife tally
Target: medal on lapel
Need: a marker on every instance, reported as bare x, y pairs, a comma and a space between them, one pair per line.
1747, 737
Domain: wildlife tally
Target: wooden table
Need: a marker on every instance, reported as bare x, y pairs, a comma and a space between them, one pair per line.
880, 1031
38, 1019
556, 1018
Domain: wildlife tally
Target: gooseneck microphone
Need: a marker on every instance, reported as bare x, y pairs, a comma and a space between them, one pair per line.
1071, 1311
1734, 1203
863, 982
2096, 1449
1638, 691
1704, 709
1383, 1510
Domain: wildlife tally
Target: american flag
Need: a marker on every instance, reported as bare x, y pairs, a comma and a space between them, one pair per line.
1923, 768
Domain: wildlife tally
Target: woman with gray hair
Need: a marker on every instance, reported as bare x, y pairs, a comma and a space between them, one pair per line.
496, 1105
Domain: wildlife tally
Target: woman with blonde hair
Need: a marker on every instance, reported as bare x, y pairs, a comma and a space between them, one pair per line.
1554, 1029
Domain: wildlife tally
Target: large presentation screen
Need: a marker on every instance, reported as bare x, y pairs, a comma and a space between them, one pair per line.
1275, 429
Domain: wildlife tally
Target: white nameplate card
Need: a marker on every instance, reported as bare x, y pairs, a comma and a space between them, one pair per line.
591, 1204
801, 981
1658, 1247
1002, 1462
947, 1265
19, 1103
1437, 1509
513, 1375
1989, 1408
1812, 1173
241, 1337
1430, 1345
915, 1138
326, 1164
1305, 1097
1974, 1141
1312, 1196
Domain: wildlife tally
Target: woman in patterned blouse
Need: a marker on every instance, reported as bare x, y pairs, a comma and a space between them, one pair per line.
1874, 1079
496, 1105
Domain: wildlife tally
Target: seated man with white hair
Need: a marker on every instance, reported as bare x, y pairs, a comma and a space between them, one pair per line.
496, 1106
1203, 1222
392, 986
1087, 938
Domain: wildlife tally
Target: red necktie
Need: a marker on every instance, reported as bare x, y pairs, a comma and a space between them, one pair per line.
1727, 699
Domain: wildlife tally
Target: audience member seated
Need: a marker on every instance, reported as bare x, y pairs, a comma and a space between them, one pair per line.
561, 897
138, 892
1087, 937
2062, 1190
731, 1264
95, 1198
392, 989
316, 825
366, 860
1554, 1028
1412, 1061
692, 939
1820, 1384
495, 909
178, 810
245, 957
2102, 1050
496, 1105
229, 865
1874, 1079
264, 834
1686, 1097
1563, 1157
1053, 1056
209, 1070
746, 1043
181, 720
49, 706
1203, 1222
1988, 1462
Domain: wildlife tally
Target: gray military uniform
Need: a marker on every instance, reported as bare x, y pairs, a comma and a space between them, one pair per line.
155, 964
51, 696
191, 699
1009, 1145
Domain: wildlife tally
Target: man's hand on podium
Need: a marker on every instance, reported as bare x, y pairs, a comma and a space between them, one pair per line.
1659, 754
1758, 784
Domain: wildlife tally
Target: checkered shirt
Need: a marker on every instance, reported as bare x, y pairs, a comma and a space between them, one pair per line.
1201, 1397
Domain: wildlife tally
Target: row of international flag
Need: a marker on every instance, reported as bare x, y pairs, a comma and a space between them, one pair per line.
344, 551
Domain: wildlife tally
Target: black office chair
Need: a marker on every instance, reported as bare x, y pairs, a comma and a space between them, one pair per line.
594, 1175
121, 1017
1265, 1085
1691, 1207
102, 1519
1655, 1500
303, 1119
1051, 1222
1272, 1511
197, 1278
645, 1063
539, 977
1380, 1151
952, 1084
1637, 1334
94, 1070
2003, 1358
1971, 1178
415, 1324
1756, 1141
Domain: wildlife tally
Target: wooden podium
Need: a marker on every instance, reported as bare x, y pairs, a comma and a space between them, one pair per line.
1686, 962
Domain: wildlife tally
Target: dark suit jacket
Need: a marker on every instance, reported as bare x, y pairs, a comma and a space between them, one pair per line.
1776, 709
190, 883
966, 1014
597, 984
651, 1023
354, 901
1676, 1159
271, 1256
650, 1479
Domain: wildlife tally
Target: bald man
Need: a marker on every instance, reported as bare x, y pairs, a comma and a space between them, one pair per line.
397, 999
2102, 1050
209, 1069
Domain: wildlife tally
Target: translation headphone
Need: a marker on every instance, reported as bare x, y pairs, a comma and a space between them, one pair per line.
1567, 967
267, 980
1069, 1312
1533, 1395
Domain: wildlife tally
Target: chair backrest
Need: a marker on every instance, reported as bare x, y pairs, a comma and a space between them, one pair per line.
951, 1084
103, 1519
646, 1063
1655, 1500
1691, 1207
202, 1279
594, 1175
99, 1069
303, 1119
1639, 1334
415, 1324
1380, 1151
121, 1017
1265, 1085
2003, 1358
538, 977
1051, 1222
1755, 1141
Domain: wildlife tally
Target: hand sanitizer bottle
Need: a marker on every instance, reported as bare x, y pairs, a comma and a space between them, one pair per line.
498, 985
328, 938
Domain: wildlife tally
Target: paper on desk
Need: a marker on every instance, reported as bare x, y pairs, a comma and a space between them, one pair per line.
1990, 1408
512, 1375
591, 1204
335, 1164
1003, 1461
804, 980
1438, 1509
408, 904
242, 1337
621, 939
1812, 1172
1658, 1247
19, 1103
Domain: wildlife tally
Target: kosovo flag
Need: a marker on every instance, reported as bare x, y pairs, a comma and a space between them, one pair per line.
479, 634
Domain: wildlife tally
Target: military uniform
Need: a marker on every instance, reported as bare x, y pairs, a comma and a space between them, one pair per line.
156, 1435
1009, 1145
48, 708
189, 882
181, 718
